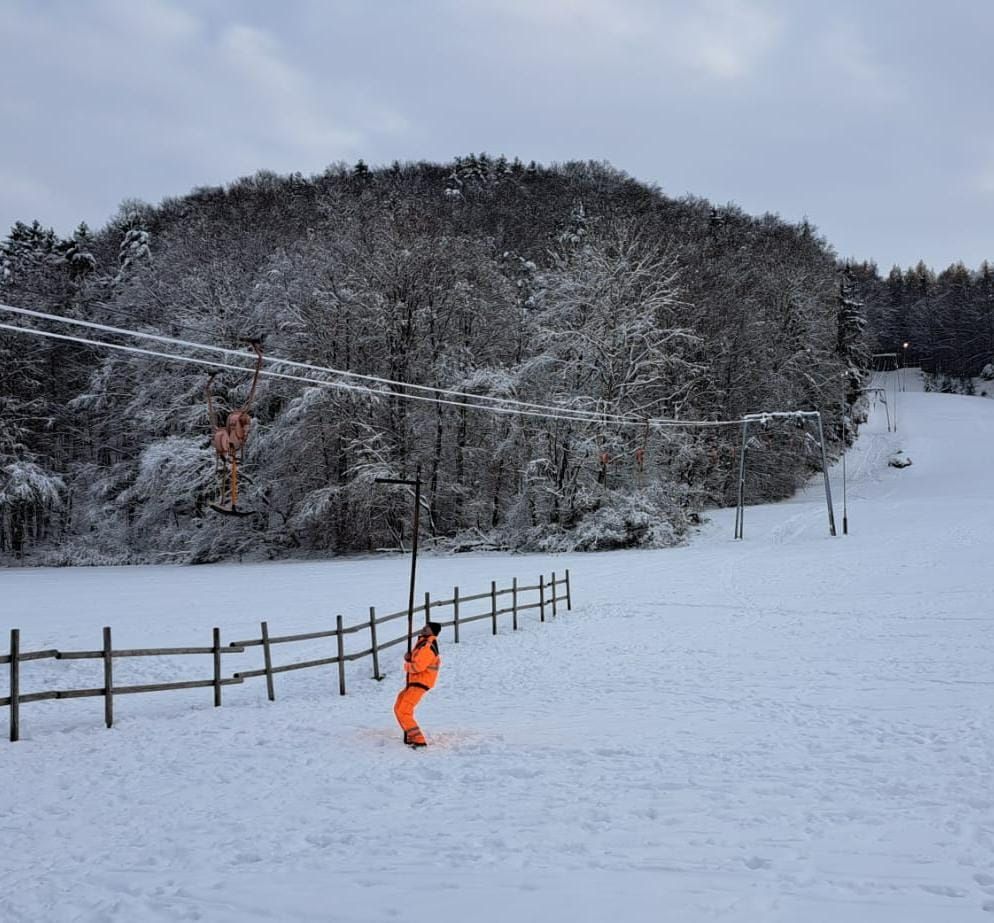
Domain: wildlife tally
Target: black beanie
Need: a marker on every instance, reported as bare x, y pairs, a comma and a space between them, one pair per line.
435, 628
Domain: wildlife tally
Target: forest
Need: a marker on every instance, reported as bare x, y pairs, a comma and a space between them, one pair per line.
942, 322
570, 285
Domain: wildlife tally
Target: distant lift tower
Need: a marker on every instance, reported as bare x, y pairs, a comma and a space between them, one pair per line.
887, 362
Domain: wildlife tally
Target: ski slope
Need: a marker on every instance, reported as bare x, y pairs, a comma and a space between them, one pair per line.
788, 728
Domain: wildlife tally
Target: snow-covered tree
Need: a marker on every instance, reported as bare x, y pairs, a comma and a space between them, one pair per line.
572, 285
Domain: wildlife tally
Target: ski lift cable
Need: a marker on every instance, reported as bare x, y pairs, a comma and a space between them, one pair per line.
766, 416
592, 416
563, 412
343, 386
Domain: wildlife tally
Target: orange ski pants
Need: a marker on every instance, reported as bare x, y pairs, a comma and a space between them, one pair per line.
407, 701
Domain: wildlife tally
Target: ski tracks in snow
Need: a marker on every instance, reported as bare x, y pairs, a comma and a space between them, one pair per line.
786, 728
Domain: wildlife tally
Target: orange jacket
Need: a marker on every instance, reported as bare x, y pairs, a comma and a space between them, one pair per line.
422, 668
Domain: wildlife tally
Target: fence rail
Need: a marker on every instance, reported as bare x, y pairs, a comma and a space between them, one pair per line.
217, 651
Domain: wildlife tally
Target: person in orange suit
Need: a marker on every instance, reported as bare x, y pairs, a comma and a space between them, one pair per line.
421, 666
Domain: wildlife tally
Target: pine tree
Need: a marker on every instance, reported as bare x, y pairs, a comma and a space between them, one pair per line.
851, 336
78, 254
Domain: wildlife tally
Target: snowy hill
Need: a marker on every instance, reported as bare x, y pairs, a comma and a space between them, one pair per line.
789, 728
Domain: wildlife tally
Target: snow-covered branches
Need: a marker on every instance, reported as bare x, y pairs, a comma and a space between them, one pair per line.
572, 286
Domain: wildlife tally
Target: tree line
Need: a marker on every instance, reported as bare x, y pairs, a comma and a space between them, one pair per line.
568, 284
943, 321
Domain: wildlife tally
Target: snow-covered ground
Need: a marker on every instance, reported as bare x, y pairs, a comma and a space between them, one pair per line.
788, 728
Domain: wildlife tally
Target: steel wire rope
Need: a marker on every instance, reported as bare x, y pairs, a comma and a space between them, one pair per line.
138, 320
343, 386
124, 312
590, 416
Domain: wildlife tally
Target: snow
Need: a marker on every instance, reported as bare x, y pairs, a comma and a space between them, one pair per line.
792, 727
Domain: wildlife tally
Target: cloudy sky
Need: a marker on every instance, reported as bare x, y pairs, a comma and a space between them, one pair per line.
870, 117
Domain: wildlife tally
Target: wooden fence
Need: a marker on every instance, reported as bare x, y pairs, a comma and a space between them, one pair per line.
548, 602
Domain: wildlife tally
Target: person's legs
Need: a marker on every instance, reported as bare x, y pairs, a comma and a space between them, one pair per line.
403, 708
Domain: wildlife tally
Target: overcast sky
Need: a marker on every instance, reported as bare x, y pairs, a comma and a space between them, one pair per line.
873, 118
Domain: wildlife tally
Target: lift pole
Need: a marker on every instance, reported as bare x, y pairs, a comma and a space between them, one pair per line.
416, 484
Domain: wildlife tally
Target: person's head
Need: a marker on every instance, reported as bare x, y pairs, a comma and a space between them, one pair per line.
432, 629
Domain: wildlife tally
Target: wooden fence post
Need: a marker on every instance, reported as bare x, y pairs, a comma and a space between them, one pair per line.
455, 609
15, 684
108, 679
514, 604
569, 597
217, 667
553, 594
541, 597
267, 656
341, 655
372, 642
493, 603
